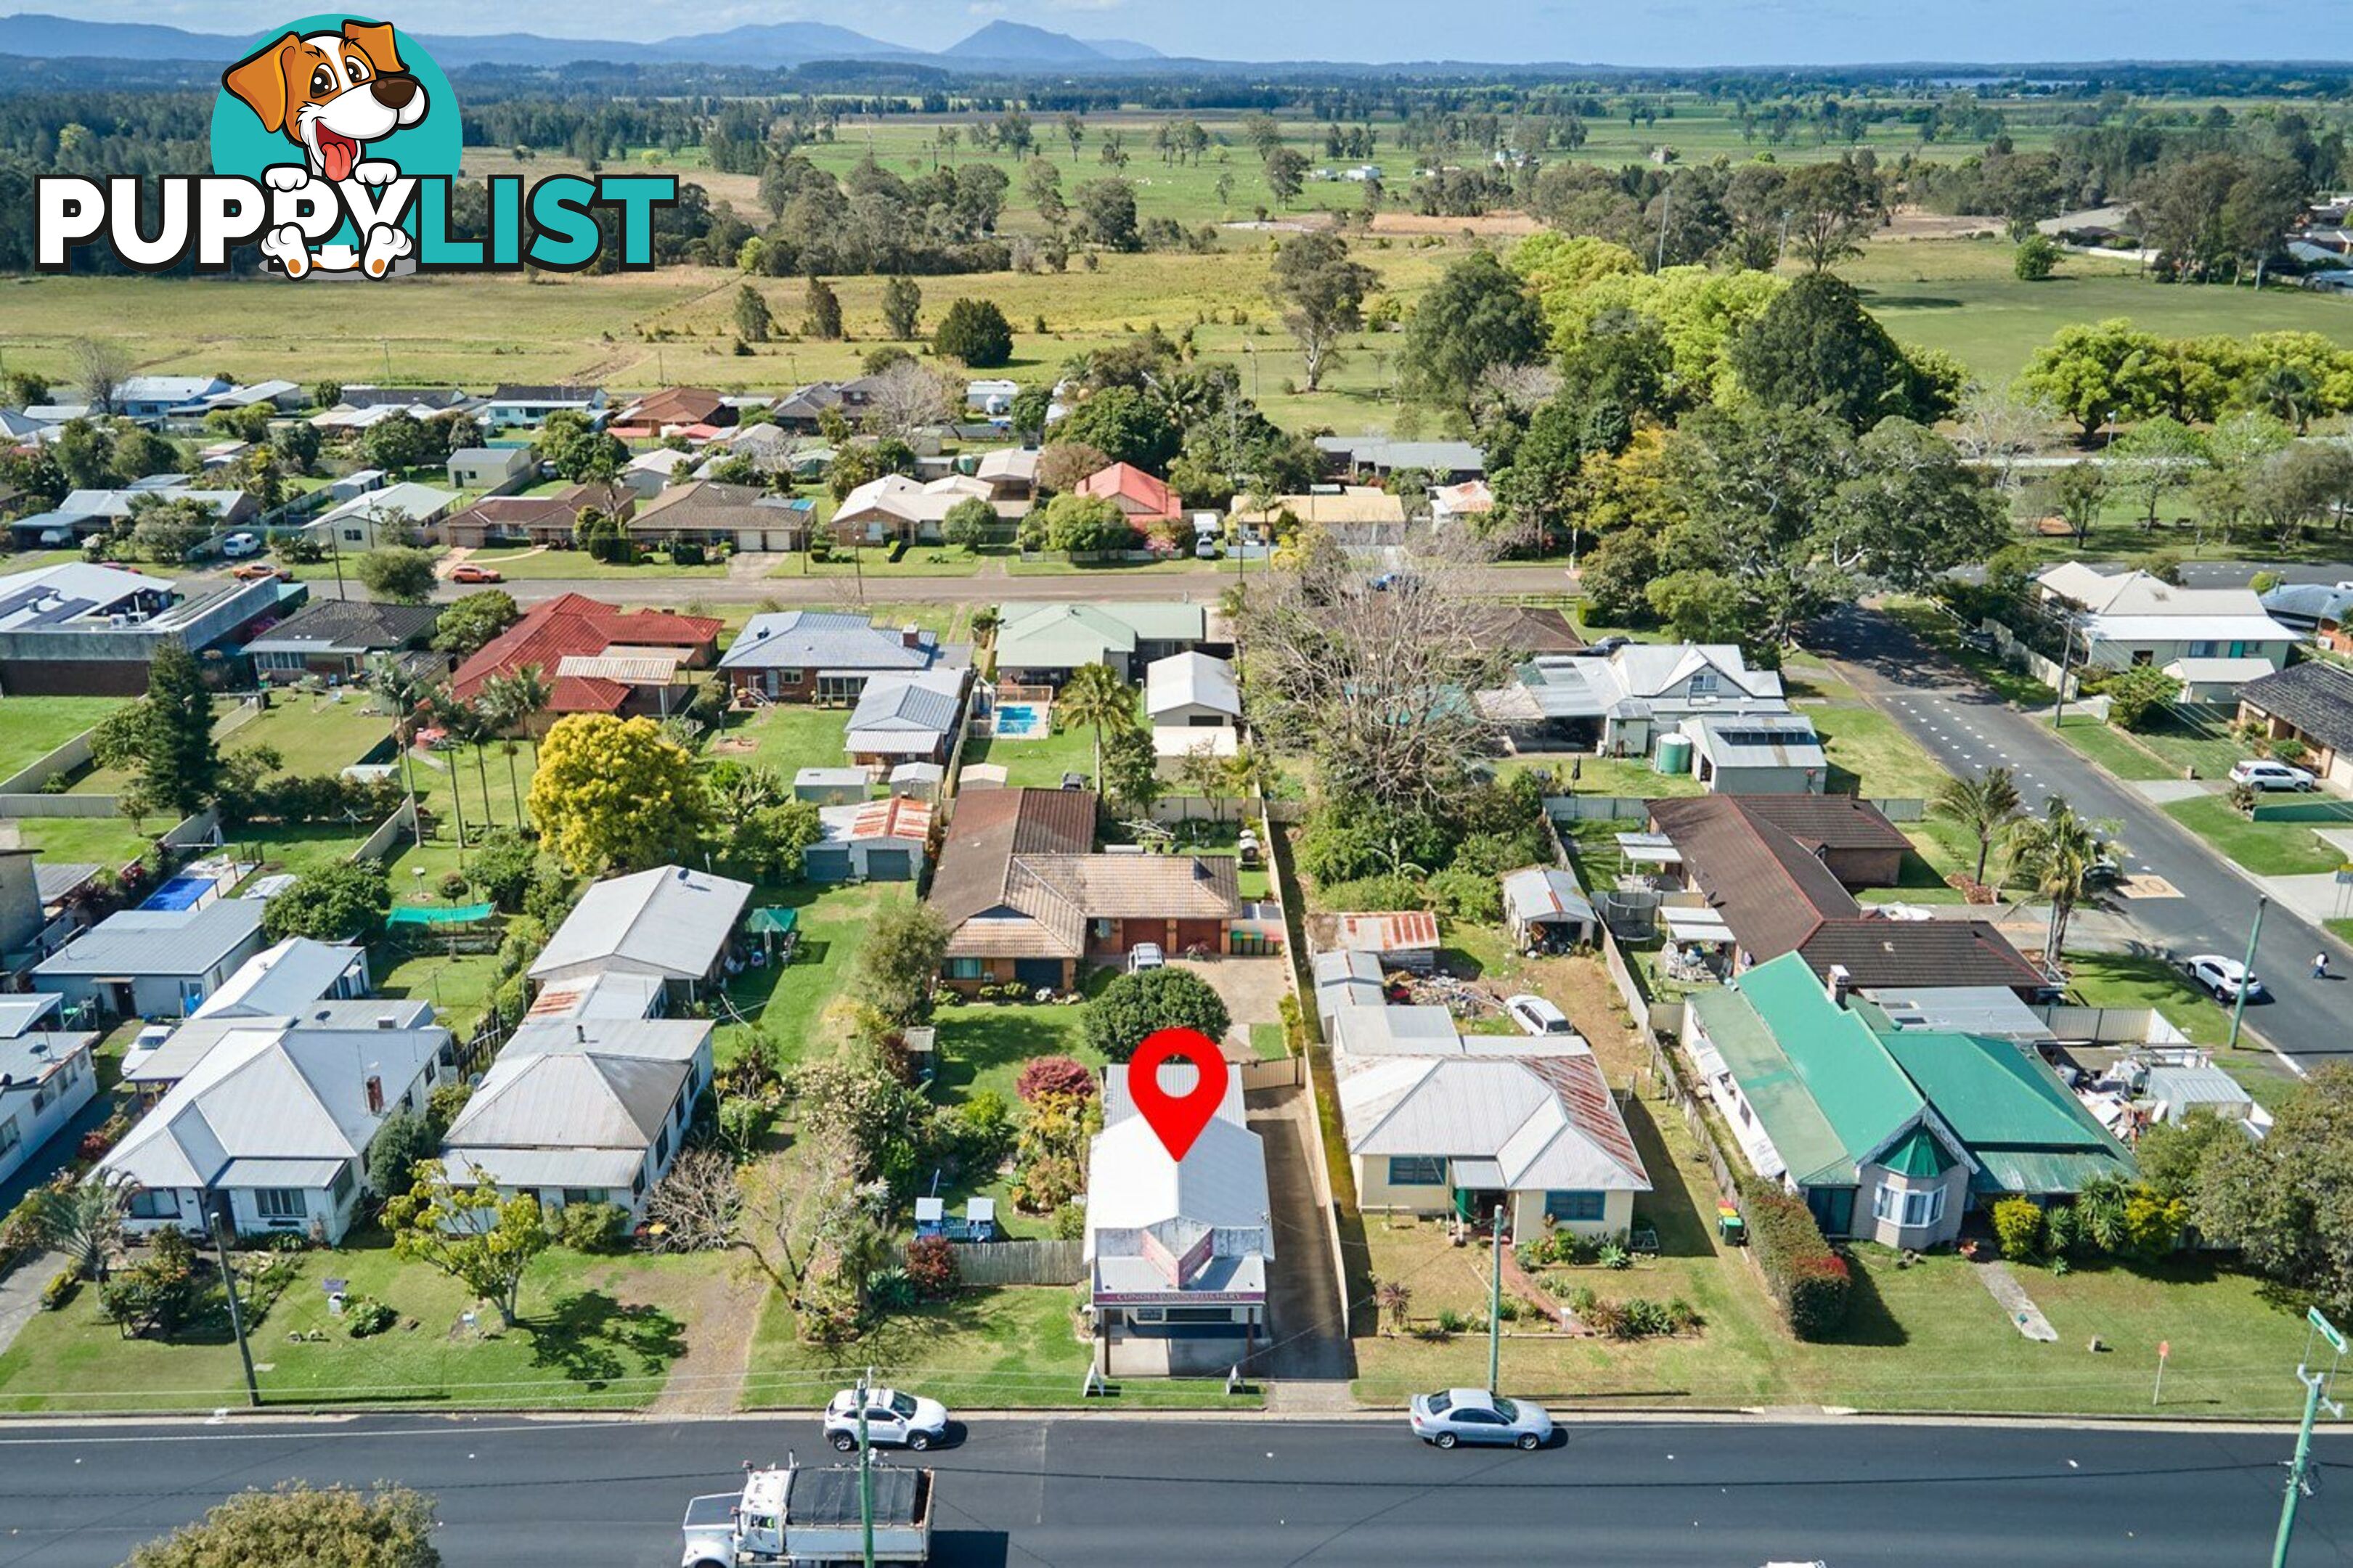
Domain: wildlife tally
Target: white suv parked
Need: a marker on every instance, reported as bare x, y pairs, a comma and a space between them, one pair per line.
2271, 776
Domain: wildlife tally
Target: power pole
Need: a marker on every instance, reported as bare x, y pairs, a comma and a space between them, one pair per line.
2315, 1394
1496, 1306
865, 1473
2247, 972
2066, 651
236, 1314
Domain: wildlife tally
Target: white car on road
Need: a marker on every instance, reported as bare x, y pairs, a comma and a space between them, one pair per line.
2271, 775
904, 1420
1453, 1415
2224, 978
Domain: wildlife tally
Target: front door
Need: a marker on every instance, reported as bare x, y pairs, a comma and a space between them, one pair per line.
1834, 1209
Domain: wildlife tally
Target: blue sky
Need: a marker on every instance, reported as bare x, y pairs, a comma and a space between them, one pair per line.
1622, 32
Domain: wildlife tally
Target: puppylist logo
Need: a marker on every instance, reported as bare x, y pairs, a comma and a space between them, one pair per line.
336, 146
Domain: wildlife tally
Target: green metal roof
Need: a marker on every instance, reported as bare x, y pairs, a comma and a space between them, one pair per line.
1809, 1145
1059, 635
1856, 1086
1918, 1154
2033, 1172
772, 921
2025, 1128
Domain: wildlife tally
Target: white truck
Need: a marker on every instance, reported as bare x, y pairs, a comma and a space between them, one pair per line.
789, 1516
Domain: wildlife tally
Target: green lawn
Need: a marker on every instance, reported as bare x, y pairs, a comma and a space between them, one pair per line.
33, 727
597, 1333
982, 1046
523, 564
2130, 980
109, 841
1628, 777
2266, 848
2105, 745
1016, 1347
873, 561
1040, 763
1868, 753
786, 1002
1267, 1042
786, 737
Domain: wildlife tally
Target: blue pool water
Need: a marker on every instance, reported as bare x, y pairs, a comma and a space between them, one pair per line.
1020, 720
179, 893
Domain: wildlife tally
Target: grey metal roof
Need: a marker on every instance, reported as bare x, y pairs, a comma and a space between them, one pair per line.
1191, 679
158, 941
827, 639
1535, 894
350, 625
670, 920
925, 702
1760, 740
30, 1058
602, 1083
281, 980
1383, 1031
19, 1015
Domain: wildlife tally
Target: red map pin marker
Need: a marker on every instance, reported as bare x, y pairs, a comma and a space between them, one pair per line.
1176, 1118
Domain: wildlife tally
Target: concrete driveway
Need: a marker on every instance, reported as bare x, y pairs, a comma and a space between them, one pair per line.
1252, 990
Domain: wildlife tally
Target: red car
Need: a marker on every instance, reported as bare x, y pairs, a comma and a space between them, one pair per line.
466, 572
254, 571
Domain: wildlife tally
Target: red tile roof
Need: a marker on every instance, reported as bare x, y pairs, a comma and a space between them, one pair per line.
1146, 496
574, 624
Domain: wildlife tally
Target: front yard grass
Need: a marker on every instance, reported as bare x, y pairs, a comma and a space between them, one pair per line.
525, 563
597, 1332
1870, 755
1011, 1347
2266, 848
2101, 743
2134, 980
33, 727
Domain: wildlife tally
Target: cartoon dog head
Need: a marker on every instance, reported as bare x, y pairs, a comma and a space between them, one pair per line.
330, 93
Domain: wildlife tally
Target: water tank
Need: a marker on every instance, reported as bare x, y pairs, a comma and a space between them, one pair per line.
1672, 755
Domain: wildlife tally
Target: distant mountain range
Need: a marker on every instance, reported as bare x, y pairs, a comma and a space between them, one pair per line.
774, 45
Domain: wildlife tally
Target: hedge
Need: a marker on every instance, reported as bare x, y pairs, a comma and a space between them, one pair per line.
1810, 1282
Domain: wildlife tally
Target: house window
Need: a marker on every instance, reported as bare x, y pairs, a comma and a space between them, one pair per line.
353, 536
1703, 683
340, 1189
661, 1148
9, 1136
278, 1202
1910, 1208
2201, 650
965, 969
1575, 1206
1417, 1171
584, 1196
41, 1098
154, 1204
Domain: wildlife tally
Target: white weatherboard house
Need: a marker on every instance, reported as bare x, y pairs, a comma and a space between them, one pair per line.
1177, 1250
2132, 618
154, 963
46, 1078
274, 1121
670, 921
280, 980
1191, 690
584, 1111
1564, 702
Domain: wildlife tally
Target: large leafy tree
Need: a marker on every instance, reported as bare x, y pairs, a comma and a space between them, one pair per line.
1477, 317
327, 1527
903, 955
616, 794
344, 900
1133, 1006
1125, 426
1321, 291
398, 573
2094, 373
462, 1226
474, 620
2287, 1201
1817, 347
975, 331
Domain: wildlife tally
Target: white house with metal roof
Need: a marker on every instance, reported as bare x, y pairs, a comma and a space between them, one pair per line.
2128, 618
1757, 753
284, 979
154, 963
827, 656
1617, 704
584, 1110
46, 1078
1177, 1251
274, 1122
1191, 690
672, 923
151, 1069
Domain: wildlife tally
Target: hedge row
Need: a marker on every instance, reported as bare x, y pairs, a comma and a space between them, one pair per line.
1809, 1280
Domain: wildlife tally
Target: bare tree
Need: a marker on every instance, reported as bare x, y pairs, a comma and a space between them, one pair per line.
1996, 426
696, 1207
908, 397
100, 367
1515, 388
1376, 672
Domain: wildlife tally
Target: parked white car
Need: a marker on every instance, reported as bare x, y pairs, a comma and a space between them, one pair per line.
2224, 977
1536, 1015
237, 546
1453, 1415
901, 1420
1145, 955
2271, 776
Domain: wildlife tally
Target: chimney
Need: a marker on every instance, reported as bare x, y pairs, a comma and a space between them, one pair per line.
384, 1020
375, 1095
911, 636
1836, 983
580, 1033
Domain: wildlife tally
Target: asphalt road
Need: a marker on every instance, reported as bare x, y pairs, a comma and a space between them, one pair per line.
2234, 574
1967, 729
1093, 1492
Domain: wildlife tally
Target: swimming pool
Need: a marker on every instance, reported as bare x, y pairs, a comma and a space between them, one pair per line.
1022, 721
180, 893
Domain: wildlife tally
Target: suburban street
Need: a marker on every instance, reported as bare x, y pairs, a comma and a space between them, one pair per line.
1968, 728
1090, 1490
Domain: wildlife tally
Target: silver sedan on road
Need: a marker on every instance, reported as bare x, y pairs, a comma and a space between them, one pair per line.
1454, 1415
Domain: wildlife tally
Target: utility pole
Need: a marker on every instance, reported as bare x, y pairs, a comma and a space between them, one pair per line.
2315, 1394
335, 549
1496, 1306
2247, 972
865, 1473
236, 1313
2067, 652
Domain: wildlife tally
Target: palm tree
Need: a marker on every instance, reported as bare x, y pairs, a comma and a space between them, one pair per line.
464, 724
2057, 853
2288, 391
528, 690
1985, 806
495, 709
1096, 695
405, 692
84, 1221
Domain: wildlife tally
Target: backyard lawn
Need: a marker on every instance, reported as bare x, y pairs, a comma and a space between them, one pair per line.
109, 841
2266, 848
33, 727
1040, 763
786, 737
597, 1332
1013, 1347
787, 1003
